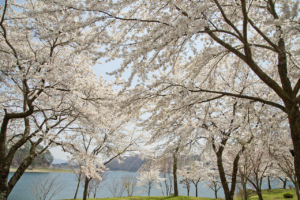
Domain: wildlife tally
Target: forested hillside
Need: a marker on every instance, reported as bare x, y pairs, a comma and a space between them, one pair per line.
130, 164
43, 160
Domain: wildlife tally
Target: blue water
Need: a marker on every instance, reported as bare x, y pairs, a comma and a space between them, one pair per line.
22, 190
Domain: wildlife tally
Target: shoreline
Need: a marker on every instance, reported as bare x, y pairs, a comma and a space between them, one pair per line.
43, 170
54, 170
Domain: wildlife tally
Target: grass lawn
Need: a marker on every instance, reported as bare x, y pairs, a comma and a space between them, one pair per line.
153, 198
274, 194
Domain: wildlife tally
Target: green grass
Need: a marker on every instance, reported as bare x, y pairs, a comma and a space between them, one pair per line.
274, 194
153, 198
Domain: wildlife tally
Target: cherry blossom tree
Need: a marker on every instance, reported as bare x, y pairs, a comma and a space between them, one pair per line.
260, 163
116, 188
96, 146
148, 180
283, 167
194, 61
96, 185
243, 173
129, 183
163, 161
46, 79
222, 129
186, 184
196, 172
167, 158
214, 184
79, 176
206, 50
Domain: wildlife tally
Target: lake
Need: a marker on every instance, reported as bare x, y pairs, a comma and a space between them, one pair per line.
22, 191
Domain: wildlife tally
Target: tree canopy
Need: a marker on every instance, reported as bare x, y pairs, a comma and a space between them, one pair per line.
212, 75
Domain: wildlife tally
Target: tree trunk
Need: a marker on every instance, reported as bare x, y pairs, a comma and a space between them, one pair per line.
3, 191
175, 172
3, 183
244, 185
78, 184
86, 187
297, 190
294, 120
6, 158
269, 183
167, 188
245, 191
284, 184
196, 186
6, 188
229, 193
223, 177
258, 191
188, 191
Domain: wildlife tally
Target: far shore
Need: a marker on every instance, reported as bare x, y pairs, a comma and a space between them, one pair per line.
44, 170
52, 170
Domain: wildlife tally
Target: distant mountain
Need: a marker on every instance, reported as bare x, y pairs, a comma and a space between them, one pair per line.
129, 164
58, 161
43, 160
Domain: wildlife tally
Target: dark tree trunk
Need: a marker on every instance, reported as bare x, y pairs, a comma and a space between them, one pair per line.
229, 193
269, 183
6, 158
223, 177
284, 183
3, 183
86, 187
175, 172
244, 184
3, 191
257, 182
294, 119
6, 188
196, 186
258, 191
297, 190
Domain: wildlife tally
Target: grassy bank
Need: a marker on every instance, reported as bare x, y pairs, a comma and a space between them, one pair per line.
153, 198
274, 194
44, 170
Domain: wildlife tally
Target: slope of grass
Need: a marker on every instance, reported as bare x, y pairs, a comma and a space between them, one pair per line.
274, 194
152, 198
